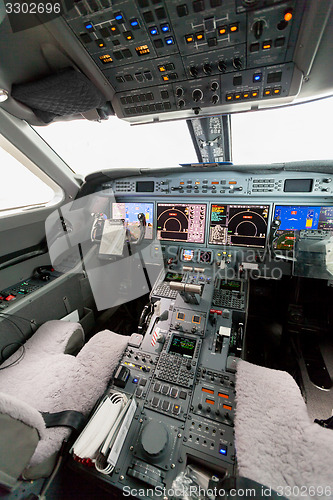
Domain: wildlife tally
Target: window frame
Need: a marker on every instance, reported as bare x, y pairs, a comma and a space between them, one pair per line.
59, 194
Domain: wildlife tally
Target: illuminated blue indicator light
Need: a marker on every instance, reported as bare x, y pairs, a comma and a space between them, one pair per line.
165, 28
223, 451
135, 381
134, 23
153, 31
89, 26
257, 77
119, 17
169, 41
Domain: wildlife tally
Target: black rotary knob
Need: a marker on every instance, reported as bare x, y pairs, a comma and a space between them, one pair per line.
197, 95
222, 66
237, 63
193, 71
207, 68
154, 438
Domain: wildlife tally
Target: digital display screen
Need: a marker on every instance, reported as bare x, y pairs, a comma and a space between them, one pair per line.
183, 346
232, 285
297, 217
173, 276
187, 255
298, 185
284, 240
238, 225
326, 219
129, 212
145, 187
181, 222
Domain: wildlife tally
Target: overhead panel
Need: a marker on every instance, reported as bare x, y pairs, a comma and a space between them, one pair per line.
181, 58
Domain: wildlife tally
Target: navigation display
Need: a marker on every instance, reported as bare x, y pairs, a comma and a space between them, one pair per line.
129, 212
181, 222
238, 225
183, 346
299, 217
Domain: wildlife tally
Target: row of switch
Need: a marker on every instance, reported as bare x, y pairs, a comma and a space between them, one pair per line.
149, 16
268, 44
199, 36
148, 96
151, 108
165, 405
198, 6
89, 6
273, 77
169, 391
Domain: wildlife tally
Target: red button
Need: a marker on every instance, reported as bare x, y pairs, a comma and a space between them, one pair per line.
10, 297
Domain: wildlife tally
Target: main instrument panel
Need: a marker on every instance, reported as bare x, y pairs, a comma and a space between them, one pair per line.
212, 209
179, 58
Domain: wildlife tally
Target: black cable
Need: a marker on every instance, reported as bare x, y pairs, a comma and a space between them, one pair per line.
15, 316
21, 344
16, 360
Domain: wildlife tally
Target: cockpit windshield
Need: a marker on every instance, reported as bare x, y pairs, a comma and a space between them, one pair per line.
302, 132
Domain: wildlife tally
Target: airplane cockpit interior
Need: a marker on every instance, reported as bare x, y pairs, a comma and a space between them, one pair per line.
166, 249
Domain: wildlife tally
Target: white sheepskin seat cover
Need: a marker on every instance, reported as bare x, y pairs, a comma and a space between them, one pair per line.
276, 443
57, 382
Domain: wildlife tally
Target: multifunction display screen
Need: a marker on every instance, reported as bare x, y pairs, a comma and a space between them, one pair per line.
238, 225
183, 346
181, 222
170, 276
299, 218
129, 212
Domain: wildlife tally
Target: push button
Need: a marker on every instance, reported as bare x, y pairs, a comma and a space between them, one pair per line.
165, 405
182, 10
155, 402
176, 409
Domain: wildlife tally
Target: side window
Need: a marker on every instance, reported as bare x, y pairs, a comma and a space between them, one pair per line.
23, 185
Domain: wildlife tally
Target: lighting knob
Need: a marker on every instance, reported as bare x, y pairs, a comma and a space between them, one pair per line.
207, 68
215, 99
237, 63
222, 66
214, 86
193, 71
197, 95
179, 92
199, 406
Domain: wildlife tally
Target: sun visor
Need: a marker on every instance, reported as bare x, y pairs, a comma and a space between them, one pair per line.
66, 93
